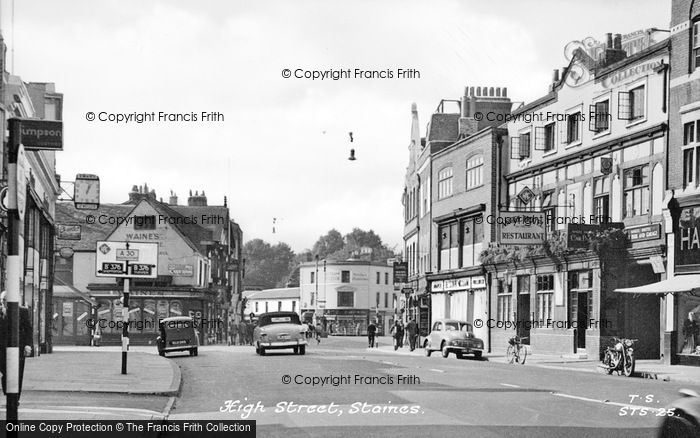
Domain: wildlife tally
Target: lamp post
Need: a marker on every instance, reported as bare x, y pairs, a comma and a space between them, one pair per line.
314, 300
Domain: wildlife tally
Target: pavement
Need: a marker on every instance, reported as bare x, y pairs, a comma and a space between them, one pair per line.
648, 369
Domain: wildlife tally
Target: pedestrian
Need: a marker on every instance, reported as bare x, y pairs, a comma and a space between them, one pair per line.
96, 335
397, 332
232, 333
250, 329
25, 339
242, 332
318, 333
371, 332
412, 331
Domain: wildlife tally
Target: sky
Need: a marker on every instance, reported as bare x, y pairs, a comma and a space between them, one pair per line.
281, 150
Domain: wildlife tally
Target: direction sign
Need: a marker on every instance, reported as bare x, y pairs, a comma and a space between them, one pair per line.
126, 259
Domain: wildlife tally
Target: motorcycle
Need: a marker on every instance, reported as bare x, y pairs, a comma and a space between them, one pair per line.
620, 357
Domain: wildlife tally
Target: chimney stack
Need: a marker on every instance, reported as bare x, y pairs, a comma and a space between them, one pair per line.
608, 40
613, 50
173, 198
617, 44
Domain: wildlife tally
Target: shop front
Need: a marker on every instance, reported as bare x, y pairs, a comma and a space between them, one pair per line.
461, 298
347, 322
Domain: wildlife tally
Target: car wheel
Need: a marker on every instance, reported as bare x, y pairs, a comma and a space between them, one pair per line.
302, 350
425, 344
428, 351
191, 351
477, 354
257, 349
162, 353
678, 426
262, 351
296, 350
445, 351
196, 351
459, 355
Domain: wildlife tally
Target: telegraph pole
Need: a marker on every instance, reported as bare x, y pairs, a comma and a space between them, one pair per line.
125, 316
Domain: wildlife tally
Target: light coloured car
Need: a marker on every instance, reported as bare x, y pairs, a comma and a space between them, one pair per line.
279, 330
453, 336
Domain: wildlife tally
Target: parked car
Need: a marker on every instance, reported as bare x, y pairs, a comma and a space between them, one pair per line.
177, 334
278, 330
452, 336
682, 417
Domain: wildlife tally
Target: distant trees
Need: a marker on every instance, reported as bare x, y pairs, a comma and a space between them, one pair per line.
366, 245
266, 265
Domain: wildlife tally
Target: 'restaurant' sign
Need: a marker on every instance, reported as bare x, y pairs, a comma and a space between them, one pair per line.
521, 228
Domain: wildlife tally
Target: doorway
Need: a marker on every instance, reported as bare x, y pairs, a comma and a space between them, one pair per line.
523, 309
581, 320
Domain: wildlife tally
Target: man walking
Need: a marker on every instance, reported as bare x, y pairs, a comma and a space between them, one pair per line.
232, 333
371, 332
242, 332
412, 330
25, 339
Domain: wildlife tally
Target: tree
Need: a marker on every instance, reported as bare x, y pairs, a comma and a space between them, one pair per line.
267, 265
331, 242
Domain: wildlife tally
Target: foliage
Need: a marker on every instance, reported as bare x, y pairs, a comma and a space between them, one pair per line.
267, 265
356, 244
329, 243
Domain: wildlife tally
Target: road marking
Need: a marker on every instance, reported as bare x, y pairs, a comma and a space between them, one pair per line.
605, 402
509, 385
436, 370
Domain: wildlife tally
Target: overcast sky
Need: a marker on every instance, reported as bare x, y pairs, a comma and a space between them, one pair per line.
282, 149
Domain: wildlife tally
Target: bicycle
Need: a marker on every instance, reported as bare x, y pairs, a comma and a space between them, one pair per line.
516, 352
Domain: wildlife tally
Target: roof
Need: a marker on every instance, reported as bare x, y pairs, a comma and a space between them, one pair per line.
90, 234
215, 226
280, 293
443, 127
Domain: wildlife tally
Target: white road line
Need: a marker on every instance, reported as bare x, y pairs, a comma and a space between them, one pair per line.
509, 385
436, 370
108, 408
605, 402
90, 411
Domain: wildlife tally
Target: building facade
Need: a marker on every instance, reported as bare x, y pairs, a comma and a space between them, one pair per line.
590, 156
197, 274
344, 296
273, 300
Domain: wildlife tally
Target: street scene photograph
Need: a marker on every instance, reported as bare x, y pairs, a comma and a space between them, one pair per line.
377, 218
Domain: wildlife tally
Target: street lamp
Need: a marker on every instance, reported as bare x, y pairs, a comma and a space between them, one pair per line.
314, 302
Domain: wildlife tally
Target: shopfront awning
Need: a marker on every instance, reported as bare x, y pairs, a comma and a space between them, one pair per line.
680, 283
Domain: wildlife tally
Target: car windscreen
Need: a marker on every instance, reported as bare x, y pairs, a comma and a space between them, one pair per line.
291, 318
451, 326
466, 327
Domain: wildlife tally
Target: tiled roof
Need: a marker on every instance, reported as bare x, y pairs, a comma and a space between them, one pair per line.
216, 226
90, 234
267, 294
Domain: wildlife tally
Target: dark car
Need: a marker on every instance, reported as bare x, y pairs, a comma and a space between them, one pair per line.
277, 330
177, 334
682, 417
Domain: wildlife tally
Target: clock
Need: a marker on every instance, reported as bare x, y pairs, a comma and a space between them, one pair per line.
86, 192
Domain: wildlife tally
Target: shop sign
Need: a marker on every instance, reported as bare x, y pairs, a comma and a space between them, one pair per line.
348, 312
437, 286
687, 240
401, 272
68, 232
181, 270
457, 284
521, 228
479, 282
577, 235
657, 264
645, 232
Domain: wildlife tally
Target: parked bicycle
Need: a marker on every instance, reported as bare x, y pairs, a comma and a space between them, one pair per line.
517, 351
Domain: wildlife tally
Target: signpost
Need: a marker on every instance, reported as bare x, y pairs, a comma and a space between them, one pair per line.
400, 272
126, 260
521, 228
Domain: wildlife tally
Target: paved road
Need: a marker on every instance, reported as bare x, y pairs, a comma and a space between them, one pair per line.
439, 397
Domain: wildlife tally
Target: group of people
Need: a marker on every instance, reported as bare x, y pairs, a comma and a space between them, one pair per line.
398, 332
313, 331
241, 333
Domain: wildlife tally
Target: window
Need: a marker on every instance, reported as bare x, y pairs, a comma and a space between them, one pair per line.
379, 277
445, 183
386, 300
599, 114
601, 198
346, 299
345, 276
696, 45
386, 274
545, 294
379, 298
437, 327
636, 199
279, 306
449, 246
573, 127
691, 153
294, 306
256, 307
504, 301
313, 277
631, 105
267, 306
524, 146
549, 137
475, 171
550, 211
144, 222
472, 235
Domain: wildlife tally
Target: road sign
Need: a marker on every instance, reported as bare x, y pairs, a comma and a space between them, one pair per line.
126, 259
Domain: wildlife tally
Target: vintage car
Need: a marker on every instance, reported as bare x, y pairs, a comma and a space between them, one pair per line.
452, 336
682, 417
178, 333
278, 330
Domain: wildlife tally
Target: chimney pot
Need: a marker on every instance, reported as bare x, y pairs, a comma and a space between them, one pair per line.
555, 75
617, 44
608, 41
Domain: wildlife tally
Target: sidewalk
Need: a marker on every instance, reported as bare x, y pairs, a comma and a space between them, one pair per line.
100, 371
648, 369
